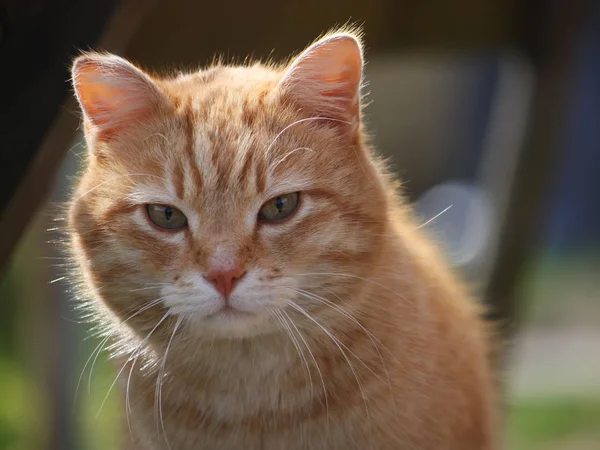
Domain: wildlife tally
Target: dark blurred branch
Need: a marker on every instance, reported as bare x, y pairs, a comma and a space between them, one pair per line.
38, 118
548, 34
37, 42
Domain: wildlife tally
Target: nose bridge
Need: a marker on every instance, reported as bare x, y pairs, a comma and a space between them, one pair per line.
220, 237
224, 257
223, 212
222, 242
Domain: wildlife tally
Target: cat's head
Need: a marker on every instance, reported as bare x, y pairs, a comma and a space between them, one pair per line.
228, 195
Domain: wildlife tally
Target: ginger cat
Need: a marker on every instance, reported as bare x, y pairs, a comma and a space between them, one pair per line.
265, 284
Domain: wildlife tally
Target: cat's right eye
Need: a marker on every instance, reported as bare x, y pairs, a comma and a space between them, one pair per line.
165, 216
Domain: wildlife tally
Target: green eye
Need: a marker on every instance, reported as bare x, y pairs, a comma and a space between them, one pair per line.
279, 208
167, 217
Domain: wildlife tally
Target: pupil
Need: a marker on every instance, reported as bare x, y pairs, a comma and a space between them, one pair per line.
279, 204
168, 213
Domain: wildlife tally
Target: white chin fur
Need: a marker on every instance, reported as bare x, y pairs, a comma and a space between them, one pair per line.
228, 327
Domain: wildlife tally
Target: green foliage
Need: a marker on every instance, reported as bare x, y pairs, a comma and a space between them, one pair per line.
537, 423
21, 421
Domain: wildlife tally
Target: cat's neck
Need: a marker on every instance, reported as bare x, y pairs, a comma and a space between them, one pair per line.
237, 379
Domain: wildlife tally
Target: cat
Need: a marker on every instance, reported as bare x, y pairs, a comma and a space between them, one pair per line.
264, 281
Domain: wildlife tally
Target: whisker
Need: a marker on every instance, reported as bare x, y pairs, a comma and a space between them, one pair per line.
138, 352
125, 365
159, 380
374, 340
325, 398
148, 287
307, 119
341, 311
97, 349
296, 344
337, 343
78, 155
346, 347
57, 279
274, 166
349, 275
350, 316
145, 307
434, 217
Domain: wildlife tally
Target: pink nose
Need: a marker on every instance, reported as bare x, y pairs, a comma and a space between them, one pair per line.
225, 279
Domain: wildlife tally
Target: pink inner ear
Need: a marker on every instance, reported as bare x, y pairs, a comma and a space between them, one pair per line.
112, 93
103, 101
325, 78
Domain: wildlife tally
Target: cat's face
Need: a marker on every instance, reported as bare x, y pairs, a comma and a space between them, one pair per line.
226, 197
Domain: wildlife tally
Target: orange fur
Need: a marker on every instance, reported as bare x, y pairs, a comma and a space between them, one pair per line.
355, 333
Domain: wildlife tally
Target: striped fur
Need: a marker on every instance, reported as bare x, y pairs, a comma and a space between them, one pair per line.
356, 335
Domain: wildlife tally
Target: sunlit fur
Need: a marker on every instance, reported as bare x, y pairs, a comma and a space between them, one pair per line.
355, 333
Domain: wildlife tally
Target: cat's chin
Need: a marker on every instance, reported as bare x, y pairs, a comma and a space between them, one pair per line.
230, 314
230, 323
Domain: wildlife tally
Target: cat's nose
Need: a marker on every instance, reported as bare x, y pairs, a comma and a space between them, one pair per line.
224, 279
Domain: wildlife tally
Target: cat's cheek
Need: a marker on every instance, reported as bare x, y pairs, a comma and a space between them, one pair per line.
263, 289
326, 236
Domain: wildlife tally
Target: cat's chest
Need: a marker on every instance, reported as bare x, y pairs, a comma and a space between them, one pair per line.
245, 419
234, 391
250, 412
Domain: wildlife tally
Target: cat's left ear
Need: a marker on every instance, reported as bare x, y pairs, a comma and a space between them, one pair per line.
114, 94
325, 79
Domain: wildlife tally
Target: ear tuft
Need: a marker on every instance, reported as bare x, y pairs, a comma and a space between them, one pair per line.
112, 92
325, 79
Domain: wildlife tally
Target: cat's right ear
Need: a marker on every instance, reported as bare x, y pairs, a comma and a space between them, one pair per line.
113, 94
325, 79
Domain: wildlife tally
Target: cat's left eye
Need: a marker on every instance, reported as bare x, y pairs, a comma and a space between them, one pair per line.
279, 208
165, 216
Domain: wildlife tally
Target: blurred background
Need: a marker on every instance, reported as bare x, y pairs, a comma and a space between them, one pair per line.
488, 111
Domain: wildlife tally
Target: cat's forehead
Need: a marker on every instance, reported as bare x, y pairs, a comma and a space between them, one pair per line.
230, 108
222, 86
227, 126
231, 137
